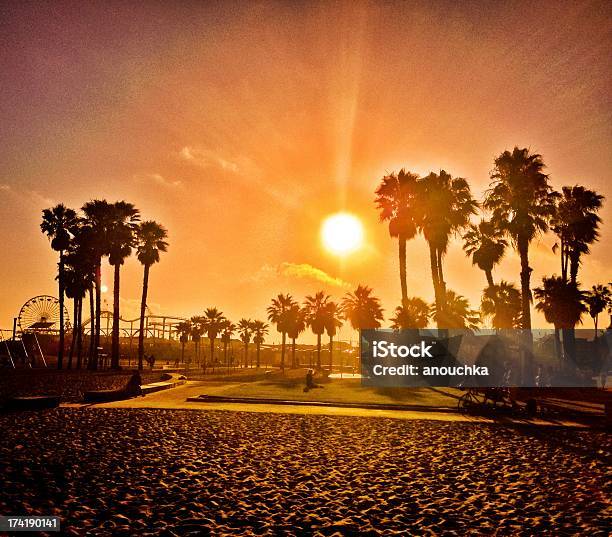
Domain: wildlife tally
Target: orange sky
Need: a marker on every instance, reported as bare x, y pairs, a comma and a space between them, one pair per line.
241, 126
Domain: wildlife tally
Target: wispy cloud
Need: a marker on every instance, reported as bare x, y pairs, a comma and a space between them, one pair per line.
299, 271
158, 179
206, 158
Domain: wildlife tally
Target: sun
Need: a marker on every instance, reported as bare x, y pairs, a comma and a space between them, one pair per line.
342, 233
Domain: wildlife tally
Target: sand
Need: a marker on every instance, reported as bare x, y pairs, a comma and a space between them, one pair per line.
182, 472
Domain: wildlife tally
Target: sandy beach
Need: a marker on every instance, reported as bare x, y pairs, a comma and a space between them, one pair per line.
182, 472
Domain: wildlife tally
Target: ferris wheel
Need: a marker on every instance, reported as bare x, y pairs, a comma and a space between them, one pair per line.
42, 314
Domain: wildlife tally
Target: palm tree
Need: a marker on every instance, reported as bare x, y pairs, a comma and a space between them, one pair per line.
314, 307
150, 241
226, 336
296, 324
597, 300
80, 260
456, 313
414, 313
56, 223
184, 331
562, 304
502, 302
197, 329
244, 329
362, 309
228, 330
259, 329
333, 321
522, 203
98, 217
447, 205
486, 244
576, 223
214, 322
396, 199
121, 239
278, 314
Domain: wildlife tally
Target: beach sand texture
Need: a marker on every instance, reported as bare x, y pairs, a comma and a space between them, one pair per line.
181, 472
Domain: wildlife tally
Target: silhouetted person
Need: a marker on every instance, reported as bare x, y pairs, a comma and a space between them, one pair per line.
133, 388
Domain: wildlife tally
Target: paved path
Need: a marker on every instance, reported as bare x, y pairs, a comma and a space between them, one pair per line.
176, 398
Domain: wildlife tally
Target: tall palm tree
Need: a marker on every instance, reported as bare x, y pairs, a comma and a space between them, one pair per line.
296, 324
562, 304
315, 307
333, 321
522, 203
456, 313
502, 303
197, 329
278, 314
56, 223
150, 241
259, 330
447, 205
362, 309
121, 240
486, 244
576, 223
414, 313
397, 202
214, 322
226, 336
80, 260
96, 224
184, 331
245, 331
597, 299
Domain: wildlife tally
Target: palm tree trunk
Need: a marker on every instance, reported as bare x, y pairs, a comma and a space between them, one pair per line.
60, 351
433, 261
331, 353
258, 349
143, 309
293, 360
441, 282
489, 276
115, 338
283, 343
94, 362
75, 314
92, 323
402, 264
318, 351
246, 354
525, 284
283, 340
557, 345
80, 334
596, 320
212, 353
527, 370
574, 265
225, 352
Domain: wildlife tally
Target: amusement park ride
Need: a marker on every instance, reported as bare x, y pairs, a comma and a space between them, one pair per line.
41, 315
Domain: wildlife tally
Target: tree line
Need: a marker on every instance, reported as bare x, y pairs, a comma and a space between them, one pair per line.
519, 205
101, 230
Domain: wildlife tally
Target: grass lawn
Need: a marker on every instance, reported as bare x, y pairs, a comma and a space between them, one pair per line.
335, 390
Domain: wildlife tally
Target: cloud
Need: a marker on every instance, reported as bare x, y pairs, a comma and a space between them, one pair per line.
206, 158
157, 179
299, 271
